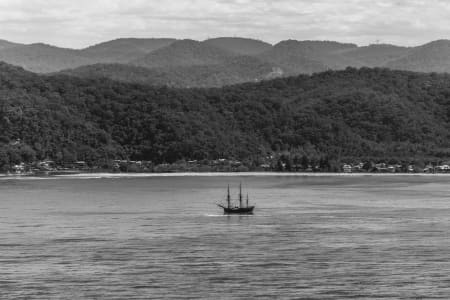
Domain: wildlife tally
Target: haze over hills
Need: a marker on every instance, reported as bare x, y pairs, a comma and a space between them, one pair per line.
184, 53
5, 44
375, 55
219, 61
240, 45
326, 53
431, 57
123, 50
184, 63
290, 58
42, 58
236, 70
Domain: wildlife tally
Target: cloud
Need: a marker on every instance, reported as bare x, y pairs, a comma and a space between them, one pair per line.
85, 22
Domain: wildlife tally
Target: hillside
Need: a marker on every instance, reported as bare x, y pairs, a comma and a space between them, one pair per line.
376, 55
432, 57
42, 58
341, 115
239, 45
325, 52
184, 53
6, 44
232, 71
123, 50
219, 61
291, 59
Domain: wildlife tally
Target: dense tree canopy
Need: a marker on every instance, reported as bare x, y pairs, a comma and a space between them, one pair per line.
350, 114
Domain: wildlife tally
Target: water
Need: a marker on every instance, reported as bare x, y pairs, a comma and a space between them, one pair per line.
163, 237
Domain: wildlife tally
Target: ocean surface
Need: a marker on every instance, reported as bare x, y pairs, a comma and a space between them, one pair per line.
317, 237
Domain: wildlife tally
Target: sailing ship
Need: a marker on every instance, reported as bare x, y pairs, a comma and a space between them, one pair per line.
241, 209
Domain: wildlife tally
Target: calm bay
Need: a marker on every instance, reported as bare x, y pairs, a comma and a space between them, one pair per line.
311, 237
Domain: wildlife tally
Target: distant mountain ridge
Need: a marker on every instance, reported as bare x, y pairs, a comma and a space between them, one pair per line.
232, 72
431, 57
239, 45
184, 53
374, 55
42, 58
6, 44
124, 50
219, 61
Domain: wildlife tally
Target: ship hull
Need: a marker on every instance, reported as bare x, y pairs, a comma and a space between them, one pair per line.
238, 210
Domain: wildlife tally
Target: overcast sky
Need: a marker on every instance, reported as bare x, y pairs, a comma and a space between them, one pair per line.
79, 23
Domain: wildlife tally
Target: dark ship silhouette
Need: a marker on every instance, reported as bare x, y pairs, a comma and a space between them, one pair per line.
241, 209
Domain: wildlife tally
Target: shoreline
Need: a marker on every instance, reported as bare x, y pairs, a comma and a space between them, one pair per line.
106, 175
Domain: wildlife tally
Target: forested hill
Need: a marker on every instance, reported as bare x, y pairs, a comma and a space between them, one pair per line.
220, 61
342, 115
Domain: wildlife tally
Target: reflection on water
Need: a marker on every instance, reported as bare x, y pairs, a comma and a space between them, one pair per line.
142, 238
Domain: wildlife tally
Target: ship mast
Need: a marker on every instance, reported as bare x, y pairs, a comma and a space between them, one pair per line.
240, 194
247, 200
228, 197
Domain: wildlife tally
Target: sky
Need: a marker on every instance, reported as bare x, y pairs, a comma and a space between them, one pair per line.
80, 23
